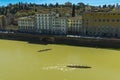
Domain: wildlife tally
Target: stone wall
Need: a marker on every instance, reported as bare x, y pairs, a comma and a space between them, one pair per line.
43, 39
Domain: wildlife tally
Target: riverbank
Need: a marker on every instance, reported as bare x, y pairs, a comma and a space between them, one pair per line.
47, 39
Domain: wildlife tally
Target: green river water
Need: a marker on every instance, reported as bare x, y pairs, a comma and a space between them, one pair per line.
24, 61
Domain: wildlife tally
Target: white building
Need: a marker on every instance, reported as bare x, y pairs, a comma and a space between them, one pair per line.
59, 26
26, 24
51, 24
43, 23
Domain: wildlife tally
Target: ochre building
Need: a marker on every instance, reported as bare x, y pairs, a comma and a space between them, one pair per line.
2, 22
75, 25
105, 24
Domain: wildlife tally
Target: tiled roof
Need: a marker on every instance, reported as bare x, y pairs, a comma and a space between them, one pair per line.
27, 18
75, 18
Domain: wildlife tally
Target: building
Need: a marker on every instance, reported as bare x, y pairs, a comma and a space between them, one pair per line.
9, 19
105, 24
59, 26
117, 6
68, 4
2, 22
44, 23
26, 24
75, 25
88, 8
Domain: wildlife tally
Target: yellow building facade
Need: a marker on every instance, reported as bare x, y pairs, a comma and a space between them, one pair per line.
2, 22
75, 25
106, 24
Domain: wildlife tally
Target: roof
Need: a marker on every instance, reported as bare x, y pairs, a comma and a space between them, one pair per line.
75, 18
116, 12
27, 18
2, 16
43, 12
59, 18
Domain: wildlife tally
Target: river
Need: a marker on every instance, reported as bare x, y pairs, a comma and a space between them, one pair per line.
25, 61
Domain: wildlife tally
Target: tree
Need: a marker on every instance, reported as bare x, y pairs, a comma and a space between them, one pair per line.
81, 5
51, 5
68, 4
73, 10
99, 6
113, 6
105, 6
56, 5
46, 5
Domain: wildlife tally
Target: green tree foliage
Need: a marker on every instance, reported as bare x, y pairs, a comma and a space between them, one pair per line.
23, 13
56, 5
81, 5
105, 6
10, 8
20, 6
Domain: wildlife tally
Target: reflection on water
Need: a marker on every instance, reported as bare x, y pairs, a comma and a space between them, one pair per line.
64, 68
58, 67
44, 50
22, 61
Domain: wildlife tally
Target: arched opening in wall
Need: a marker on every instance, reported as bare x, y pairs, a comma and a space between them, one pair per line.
110, 35
86, 32
105, 34
116, 35
48, 39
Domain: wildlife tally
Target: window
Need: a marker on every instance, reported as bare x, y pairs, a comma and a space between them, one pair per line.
113, 13
113, 20
103, 20
118, 20
108, 20
99, 20
95, 20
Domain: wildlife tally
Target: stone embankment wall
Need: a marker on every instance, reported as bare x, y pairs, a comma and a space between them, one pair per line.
43, 39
